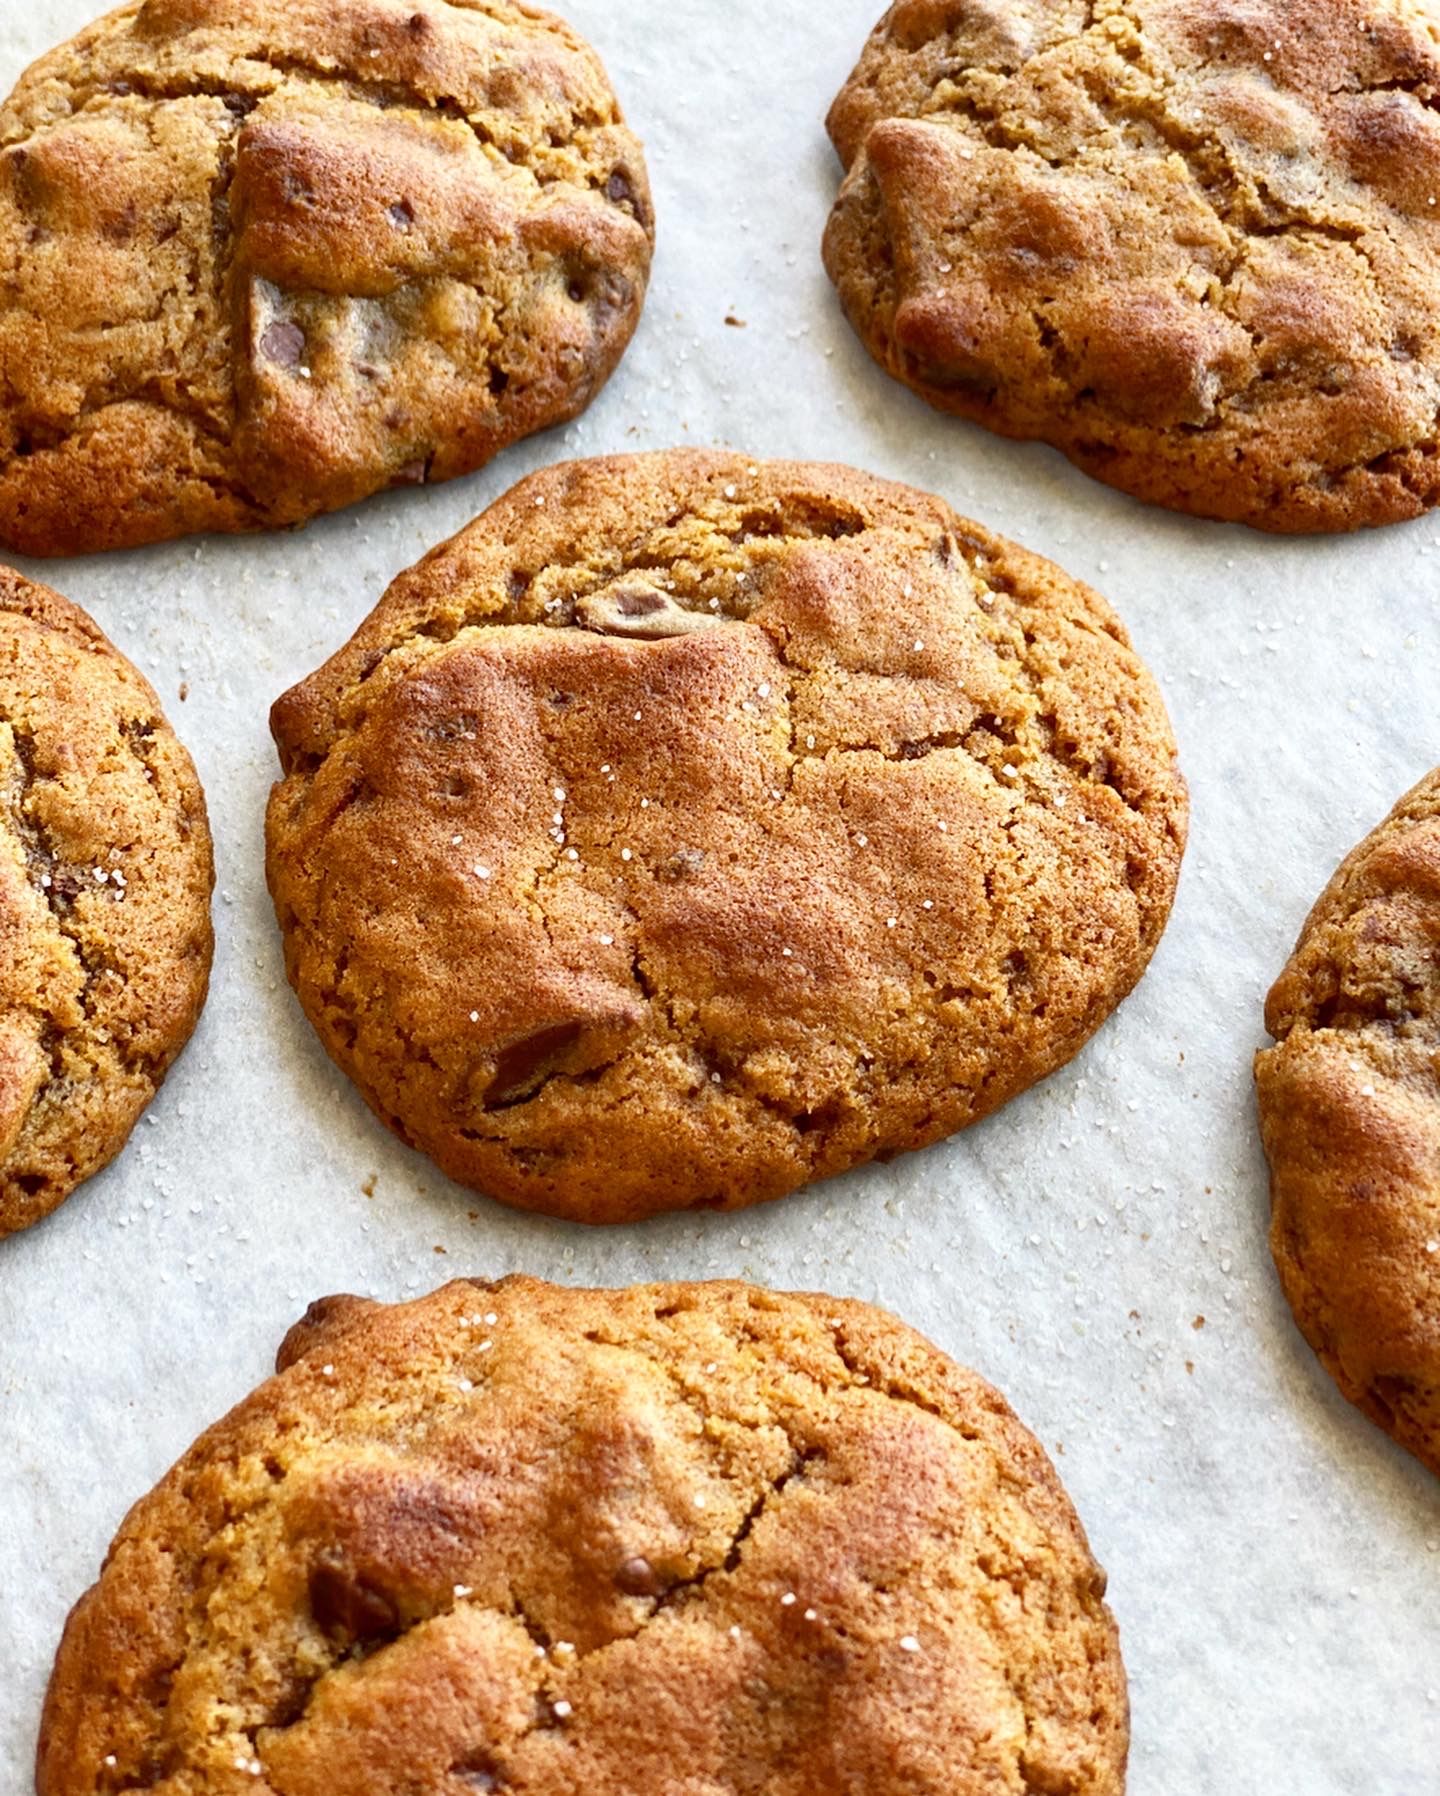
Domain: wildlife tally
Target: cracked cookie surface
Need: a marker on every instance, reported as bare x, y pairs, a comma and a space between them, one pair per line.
689, 828
698, 1538
1194, 244
262, 258
1350, 1111
105, 877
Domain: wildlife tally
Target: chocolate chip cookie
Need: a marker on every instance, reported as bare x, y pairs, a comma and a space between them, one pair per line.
105, 877
1194, 244
1350, 1111
262, 258
689, 828
513, 1537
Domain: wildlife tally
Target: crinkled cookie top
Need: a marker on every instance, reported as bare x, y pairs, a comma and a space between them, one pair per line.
690, 827
261, 258
1193, 243
512, 1538
1350, 1107
105, 876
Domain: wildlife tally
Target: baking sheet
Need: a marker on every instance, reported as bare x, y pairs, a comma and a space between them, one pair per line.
1275, 1563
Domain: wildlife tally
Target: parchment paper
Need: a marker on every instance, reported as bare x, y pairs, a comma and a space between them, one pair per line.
1275, 1562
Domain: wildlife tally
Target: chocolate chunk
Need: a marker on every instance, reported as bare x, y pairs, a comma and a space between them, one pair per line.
638, 1577
640, 601
478, 1771
636, 608
521, 1066
283, 343
347, 1608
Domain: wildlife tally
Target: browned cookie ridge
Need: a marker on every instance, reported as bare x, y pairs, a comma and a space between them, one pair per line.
262, 258
698, 1538
105, 877
1350, 1109
1195, 244
689, 828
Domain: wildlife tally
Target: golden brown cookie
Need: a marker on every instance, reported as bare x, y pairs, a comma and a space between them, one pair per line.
1350, 1110
1194, 244
627, 1543
105, 878
262, 258
689, 828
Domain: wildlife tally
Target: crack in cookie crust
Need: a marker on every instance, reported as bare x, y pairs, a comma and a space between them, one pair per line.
690, 828
105, 877
1192, 246
1350, 1112
512, 1537
258, 261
